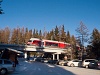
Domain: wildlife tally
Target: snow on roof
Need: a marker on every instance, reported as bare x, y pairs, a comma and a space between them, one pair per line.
49, 40
14, 50
55, 41
34, 39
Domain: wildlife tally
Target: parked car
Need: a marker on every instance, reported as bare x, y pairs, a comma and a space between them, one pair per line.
94, 64
63, 62
74, 62
31, 59
86, 62
52, 61
38, 59
98, 65
6, 66
44, 60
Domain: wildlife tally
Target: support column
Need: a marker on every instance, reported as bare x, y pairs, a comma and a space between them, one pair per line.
53, 56
25, 55
57, 56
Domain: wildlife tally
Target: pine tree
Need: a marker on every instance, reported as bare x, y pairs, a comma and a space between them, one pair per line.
56, 34
40, 34
27, 37
51, 35
96, 43
14, 37
7, 35
36, 34
34, 31
68, 38
63, 34
48, 37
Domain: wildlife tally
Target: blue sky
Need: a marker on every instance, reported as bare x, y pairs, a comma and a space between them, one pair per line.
49, 13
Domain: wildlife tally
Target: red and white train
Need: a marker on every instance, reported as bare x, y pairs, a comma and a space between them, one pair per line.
47, 43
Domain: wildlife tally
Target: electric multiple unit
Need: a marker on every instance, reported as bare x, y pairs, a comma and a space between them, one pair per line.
47, 43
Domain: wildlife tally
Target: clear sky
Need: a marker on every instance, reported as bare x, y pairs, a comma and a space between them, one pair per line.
49, 13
